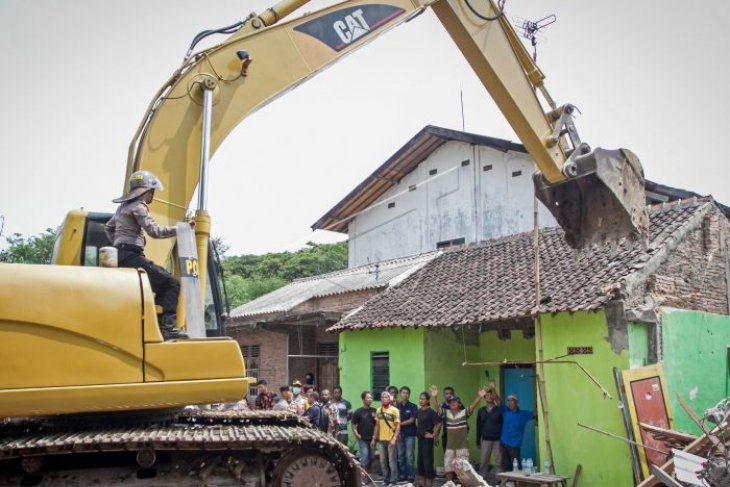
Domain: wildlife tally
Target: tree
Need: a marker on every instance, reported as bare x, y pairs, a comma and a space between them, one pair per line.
249, 276
35, 249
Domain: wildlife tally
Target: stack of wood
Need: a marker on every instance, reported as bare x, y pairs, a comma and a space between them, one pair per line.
711, 451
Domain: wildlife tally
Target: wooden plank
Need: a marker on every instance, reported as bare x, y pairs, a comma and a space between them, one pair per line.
666, 434
664, 477
668, 467
698, 421
578, 471
635, 462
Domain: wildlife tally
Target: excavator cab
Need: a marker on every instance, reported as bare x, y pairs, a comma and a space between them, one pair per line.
81, 236
81, 338
602, 200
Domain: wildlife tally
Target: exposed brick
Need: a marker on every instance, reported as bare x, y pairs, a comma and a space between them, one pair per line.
273, 366
695, 275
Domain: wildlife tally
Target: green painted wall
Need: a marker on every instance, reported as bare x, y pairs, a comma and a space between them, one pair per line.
443, 366
638, 344
573, 398
516, 349
406, 354
695, 356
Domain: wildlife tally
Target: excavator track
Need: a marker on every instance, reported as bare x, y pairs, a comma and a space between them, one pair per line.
251, 448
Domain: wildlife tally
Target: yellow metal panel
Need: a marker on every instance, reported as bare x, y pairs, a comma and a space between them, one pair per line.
170, 146
192, 359
69, 326
119, 397
151, 327
70, 241
488, 48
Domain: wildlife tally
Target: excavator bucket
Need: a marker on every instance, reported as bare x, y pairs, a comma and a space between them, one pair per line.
603, 202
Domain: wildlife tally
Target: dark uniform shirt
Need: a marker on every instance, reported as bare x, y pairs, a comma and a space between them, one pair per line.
364, 419
426, 421
407, 411
489, 423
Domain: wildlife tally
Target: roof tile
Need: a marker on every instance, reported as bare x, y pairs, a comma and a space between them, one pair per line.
494, 280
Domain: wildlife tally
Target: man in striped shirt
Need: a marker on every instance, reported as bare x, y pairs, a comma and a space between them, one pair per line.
456, 419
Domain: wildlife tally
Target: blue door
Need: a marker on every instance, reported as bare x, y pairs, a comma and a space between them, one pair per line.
520, 381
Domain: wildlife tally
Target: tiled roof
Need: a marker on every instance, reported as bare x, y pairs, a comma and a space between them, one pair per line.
494, 280
372, 276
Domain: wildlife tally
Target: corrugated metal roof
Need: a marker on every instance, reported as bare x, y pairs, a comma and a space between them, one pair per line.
371, 276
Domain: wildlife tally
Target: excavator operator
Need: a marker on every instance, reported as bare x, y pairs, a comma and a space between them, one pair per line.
126, 232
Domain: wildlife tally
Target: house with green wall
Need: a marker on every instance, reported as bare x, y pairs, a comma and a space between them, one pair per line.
470, 316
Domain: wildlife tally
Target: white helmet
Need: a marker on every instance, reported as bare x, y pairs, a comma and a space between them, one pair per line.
139, 183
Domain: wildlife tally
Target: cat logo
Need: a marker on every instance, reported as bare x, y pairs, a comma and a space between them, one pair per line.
340, 28
352, 27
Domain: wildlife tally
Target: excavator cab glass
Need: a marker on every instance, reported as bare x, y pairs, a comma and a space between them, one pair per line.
602, 201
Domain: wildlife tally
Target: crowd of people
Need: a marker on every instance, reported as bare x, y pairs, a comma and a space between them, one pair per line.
405, 434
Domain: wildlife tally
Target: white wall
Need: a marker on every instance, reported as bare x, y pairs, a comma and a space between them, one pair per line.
459, 201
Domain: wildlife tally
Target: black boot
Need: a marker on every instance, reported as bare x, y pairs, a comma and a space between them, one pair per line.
169, 328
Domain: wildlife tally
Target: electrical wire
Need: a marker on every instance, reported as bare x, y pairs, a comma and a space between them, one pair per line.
206, 33
221, 78
484, 17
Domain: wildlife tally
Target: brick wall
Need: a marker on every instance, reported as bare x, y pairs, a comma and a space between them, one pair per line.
337, 302
694, 277
273, 366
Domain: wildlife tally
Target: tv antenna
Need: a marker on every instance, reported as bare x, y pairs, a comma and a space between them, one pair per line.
530, 29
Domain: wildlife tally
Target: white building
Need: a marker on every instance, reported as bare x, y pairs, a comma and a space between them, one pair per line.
443, 187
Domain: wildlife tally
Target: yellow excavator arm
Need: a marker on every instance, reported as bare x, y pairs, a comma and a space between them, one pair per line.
266, 57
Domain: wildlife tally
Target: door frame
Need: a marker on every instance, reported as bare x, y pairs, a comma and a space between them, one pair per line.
654, 371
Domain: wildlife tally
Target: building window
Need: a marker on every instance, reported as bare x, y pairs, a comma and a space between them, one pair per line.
252, 359
450, 243
433, 172
516, 173
391, 205
380, 367
465, 163
328, 349
488, 167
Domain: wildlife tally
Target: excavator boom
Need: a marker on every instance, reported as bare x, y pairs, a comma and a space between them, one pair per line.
266, 57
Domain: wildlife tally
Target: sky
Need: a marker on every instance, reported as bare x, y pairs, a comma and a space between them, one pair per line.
78, 75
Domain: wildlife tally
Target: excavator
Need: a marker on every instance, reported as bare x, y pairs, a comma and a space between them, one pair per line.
87, 381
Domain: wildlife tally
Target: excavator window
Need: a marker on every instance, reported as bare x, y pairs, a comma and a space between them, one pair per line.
94, 238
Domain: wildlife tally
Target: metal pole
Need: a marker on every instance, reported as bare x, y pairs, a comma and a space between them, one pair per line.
205, 148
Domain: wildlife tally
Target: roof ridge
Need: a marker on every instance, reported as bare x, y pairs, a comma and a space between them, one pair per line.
681, 203
467, 284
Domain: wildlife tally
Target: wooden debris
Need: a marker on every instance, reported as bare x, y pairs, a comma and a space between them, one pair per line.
698, 421
576, 477
675, 439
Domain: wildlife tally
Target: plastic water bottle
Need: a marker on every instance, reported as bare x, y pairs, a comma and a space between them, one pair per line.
546, 467
514, 465
529, 467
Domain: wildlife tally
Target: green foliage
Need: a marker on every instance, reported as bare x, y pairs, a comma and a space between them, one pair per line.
32, 250
241, 290
249, 276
